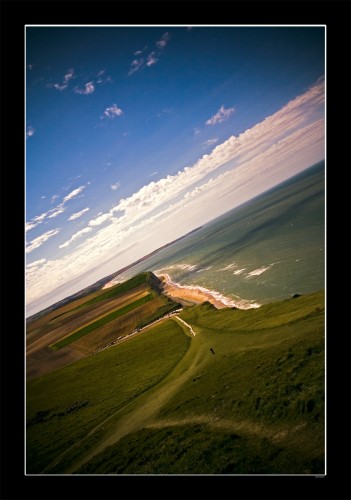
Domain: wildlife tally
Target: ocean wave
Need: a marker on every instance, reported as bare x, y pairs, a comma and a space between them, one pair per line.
211, 294
230, 266
183, 267
259, 271
204, 269
239, 271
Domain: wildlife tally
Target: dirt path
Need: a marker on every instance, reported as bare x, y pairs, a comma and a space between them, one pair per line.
137, 413
187, 325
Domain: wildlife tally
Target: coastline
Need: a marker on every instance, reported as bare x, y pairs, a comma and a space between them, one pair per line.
199, 294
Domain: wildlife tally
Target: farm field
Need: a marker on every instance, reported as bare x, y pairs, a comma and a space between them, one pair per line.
245, 395
89, 324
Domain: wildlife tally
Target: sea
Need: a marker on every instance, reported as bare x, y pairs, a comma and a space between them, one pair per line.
265, 250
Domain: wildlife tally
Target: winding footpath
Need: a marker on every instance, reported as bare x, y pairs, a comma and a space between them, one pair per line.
164, 390
186, 324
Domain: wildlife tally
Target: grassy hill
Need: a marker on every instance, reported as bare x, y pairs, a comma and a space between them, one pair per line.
244, 395
92, 322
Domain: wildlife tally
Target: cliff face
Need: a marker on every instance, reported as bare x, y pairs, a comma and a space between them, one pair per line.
155, 282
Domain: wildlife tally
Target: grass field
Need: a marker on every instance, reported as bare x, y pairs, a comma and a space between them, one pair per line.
245, 395
90, 323
101, 321
63, 407
91, 302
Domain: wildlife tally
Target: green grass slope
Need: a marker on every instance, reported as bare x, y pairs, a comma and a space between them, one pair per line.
63, 407
244, 396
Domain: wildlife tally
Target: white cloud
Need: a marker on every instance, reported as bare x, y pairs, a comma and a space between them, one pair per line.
236, 150
59, 87
161, 44
30, 131
78, 214
31, 225
41, 217
241, 167
88, 89
210, 142
101, 78
69, 75
37, 263
115, 186
135, 65
56, 212
112, 112
38, 219
73, 193
222, 115
100, 219
76, 236
66, 79
37, 242
165, 111
151, 59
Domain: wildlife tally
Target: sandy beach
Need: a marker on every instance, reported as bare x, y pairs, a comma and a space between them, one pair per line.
198, 295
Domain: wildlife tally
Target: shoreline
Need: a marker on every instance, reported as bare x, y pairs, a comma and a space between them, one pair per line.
198, 294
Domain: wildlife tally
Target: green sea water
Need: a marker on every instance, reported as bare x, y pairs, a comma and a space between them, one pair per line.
265, 250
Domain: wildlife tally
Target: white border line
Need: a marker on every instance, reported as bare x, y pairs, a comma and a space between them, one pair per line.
325, 220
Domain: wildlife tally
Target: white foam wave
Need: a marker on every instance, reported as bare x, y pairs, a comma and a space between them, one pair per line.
230, 266
183, 267
214, 294
204, 269
259, 271
239, 271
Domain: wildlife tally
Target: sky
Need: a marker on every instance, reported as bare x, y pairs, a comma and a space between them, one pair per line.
136, 135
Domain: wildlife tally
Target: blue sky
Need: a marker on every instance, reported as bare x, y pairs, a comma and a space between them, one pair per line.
136, 135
